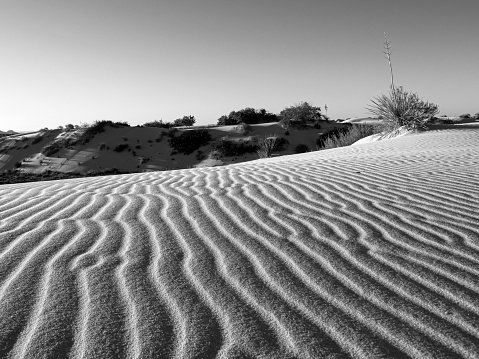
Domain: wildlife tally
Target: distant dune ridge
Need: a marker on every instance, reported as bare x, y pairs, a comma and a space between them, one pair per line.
367, 251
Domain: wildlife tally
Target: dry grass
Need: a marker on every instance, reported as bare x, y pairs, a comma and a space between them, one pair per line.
355, 133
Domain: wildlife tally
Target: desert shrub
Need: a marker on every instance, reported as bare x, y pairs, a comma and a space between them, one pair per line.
121, 147
102, 146
25, 146
189, 141
247, 115
346, 136
185, 121
301, 148
24, 139
266, 146
299, 115
281, 144
138, 147
228, 148
476, 116
402, 108
286, 133
159, 124
465, 116
37, 139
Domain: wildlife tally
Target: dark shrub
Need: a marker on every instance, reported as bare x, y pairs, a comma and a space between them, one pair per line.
286, 133
465, 116
189, 141
281, 144
301, 148
159, 124
247, 115
228, 148
121, 147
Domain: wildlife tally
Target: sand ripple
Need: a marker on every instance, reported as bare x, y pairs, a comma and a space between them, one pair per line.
370, 251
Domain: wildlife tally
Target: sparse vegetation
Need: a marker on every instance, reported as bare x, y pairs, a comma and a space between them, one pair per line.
266, 146
346, 136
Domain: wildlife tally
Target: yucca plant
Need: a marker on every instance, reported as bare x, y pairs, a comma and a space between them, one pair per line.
400, 107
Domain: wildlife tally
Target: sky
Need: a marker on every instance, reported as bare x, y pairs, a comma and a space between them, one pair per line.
79, 61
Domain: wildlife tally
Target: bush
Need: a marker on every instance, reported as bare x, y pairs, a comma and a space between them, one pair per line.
185, 121
465, 116
229, 148
189, 141
121, 147
281, 144
247, 115
159, 124
402, 108
299, 115
476, 116
301, 148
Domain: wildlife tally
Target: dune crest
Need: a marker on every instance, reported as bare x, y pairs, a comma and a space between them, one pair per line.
362, 251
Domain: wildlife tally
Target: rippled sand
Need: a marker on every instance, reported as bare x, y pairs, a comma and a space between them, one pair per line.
366, 251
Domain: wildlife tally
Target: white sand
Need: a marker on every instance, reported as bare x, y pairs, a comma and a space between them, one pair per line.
368, 251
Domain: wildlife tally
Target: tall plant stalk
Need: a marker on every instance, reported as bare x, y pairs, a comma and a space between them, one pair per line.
387, 52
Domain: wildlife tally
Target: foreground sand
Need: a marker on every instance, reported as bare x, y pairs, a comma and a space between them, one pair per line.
364, 251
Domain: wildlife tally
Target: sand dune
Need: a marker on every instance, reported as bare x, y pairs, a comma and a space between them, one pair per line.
369, 251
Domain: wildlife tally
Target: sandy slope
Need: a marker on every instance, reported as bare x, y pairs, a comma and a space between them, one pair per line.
366, 251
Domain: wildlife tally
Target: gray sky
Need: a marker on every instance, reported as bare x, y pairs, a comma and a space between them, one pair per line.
80, 61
